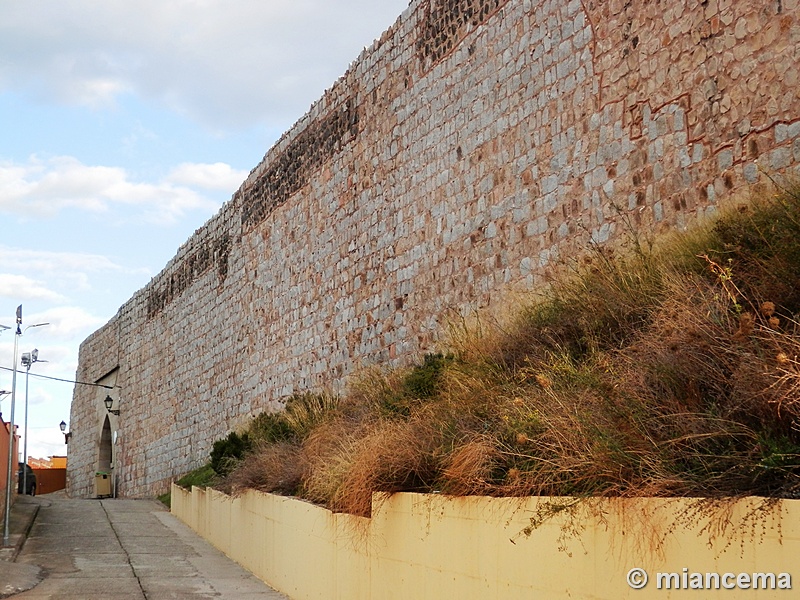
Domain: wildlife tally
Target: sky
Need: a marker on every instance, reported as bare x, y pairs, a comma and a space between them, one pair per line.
124, 126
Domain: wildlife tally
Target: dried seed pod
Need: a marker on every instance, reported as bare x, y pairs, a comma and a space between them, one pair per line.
746, 323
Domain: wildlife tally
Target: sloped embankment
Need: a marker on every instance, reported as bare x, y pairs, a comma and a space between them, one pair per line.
653, 370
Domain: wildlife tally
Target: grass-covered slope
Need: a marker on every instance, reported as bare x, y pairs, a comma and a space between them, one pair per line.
666, 371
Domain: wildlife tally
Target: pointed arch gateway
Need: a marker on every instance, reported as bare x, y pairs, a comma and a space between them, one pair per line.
105, 449
105, 461
107, 423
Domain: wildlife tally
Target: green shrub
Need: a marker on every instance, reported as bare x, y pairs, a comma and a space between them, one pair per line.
269, 428
300, 415
423, 380
228, 451
419, 383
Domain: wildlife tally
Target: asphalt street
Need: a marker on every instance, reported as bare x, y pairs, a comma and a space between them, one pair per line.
121, 549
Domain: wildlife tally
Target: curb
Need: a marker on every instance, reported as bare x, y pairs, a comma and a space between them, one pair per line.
22, 516
15, 577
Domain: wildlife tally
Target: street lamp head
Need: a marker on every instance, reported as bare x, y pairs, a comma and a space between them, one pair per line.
109, 402
67, 434
28, 358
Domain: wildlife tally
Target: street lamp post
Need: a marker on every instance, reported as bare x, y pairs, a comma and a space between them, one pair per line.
7, 512
18, 333
28, 358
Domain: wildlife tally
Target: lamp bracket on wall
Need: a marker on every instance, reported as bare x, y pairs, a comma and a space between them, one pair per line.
67, 434
109, 402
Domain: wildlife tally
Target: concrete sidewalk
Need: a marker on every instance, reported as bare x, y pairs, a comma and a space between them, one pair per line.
122, 549
16, 577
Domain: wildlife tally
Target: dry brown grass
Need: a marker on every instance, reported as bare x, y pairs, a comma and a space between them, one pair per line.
671, 372
393, 456
277, 468
470, 466
784, 371
349, 461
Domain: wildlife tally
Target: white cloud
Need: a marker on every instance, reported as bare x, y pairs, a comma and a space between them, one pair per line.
67, 322
59, 262
44, 187
97, 92
223, 63
25, 288
217, 176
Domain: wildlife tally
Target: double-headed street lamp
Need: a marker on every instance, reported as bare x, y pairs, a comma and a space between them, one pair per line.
9, 472
28, 358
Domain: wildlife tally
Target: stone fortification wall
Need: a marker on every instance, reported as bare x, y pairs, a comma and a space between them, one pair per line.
463, 154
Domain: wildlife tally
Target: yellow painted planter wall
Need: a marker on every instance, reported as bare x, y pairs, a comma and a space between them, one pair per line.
434, 547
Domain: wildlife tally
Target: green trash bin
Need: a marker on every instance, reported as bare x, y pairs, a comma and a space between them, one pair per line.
102, 484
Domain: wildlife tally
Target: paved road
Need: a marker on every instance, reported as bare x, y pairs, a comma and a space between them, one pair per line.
127, 549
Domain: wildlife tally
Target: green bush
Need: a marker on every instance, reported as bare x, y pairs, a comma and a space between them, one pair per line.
419, 383
269, 427
228, 451
423, 380
300, 415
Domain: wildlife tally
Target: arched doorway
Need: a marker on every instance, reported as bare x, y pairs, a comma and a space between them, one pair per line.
105, 462
108, 424
105, 455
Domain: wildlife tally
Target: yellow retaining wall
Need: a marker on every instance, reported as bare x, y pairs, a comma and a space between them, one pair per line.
433, 547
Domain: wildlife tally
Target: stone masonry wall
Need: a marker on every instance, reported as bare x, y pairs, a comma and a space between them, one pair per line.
473, 146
